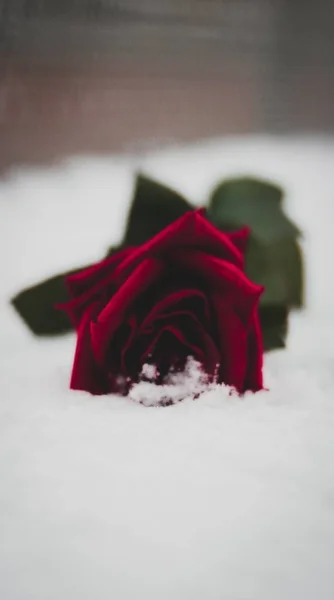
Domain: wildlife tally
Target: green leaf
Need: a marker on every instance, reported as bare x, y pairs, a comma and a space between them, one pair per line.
279, 268
36, 304
153, 208
252, 202
273, 257
274, 326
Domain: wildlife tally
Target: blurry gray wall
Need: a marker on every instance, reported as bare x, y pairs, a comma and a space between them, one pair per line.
112, 75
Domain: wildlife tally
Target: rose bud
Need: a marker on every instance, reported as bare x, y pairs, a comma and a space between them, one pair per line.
181, 294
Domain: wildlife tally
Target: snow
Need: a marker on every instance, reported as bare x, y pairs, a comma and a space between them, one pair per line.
220, 498
178, 386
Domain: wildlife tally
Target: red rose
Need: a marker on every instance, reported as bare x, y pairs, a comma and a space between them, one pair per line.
183, 293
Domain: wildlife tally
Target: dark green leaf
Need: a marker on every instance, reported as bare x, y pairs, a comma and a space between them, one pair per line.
274, 325
36, 304
154, 206
278, 267
252, 202
285, 257
112, 250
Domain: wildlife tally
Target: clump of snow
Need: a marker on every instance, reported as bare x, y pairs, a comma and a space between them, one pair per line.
178, 386
222, 498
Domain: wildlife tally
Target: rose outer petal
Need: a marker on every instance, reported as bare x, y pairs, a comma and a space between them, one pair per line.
240, 347
226, 278
113, 314
86, 280
240, 238
86, 373
254, 375
90, 284
232, 344
191, 230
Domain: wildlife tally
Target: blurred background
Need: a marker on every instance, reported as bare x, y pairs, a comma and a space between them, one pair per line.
102, 76
188, 92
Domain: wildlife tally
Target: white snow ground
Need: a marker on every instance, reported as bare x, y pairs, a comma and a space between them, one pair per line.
217, 499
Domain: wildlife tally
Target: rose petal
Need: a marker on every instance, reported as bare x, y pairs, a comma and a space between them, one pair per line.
166, 353
127, 344
225, 278
86, 280
86, 374
191, 333
190, 230
113, 314
254, 376
90, 285
240, 238
232, 344
139, 341
171, 301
